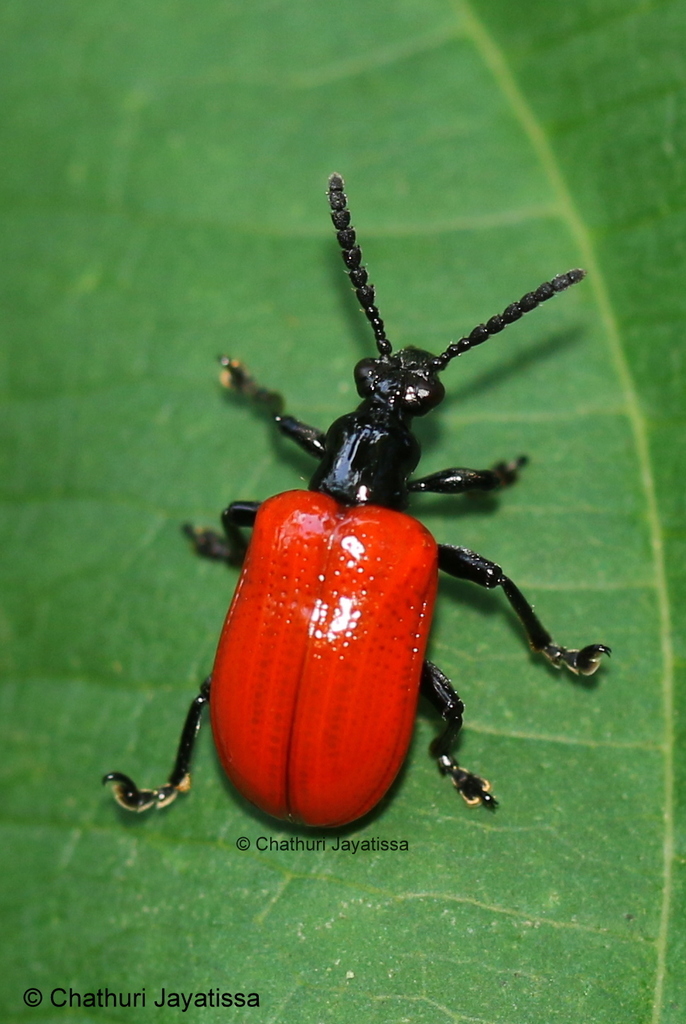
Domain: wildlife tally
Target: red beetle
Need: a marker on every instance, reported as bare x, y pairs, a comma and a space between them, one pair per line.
322, 656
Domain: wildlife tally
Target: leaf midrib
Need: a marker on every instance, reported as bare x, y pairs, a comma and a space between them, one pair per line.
494, 59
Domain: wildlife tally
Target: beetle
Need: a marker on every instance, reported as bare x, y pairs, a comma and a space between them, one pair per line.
321, 659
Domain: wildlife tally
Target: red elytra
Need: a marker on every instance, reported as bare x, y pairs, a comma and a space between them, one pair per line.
316, 678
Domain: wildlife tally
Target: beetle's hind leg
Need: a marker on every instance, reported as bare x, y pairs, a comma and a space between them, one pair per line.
232, 546
126, 792
436, 687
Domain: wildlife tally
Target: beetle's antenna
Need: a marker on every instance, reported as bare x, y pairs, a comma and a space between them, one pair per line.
352, 257
514, 312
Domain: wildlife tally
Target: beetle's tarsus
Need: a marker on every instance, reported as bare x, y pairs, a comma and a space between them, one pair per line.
131, 798
235, 377
210, 544
473, 789
582, 662
508, 472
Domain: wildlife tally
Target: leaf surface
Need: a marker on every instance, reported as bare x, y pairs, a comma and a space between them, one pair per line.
164, 169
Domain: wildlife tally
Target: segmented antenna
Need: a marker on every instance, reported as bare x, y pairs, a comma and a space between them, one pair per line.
514, 312
352, 257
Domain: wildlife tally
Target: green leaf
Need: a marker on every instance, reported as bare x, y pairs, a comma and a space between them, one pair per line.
164, 169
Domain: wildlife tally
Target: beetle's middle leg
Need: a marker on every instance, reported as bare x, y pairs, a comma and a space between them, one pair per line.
436, 687
467, 565
232, 546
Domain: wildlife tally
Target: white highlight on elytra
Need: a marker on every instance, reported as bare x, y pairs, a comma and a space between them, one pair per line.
330, 623
354, 546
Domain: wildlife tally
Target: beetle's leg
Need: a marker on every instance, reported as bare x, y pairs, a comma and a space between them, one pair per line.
437, 689
235, 377
467, 565
127, 793
309, 438
232, 546
457, 480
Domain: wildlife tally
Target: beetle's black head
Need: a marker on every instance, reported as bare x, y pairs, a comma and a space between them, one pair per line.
406, 381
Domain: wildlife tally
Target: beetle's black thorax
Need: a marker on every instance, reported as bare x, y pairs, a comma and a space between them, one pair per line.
369, 455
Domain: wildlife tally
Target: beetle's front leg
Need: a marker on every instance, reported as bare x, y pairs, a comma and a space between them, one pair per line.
232, 546
437, 689
235, 377
467, 565
459, 481
127, 793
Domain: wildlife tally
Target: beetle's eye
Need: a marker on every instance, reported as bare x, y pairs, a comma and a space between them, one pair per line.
435, 393
366, 377
423, 396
